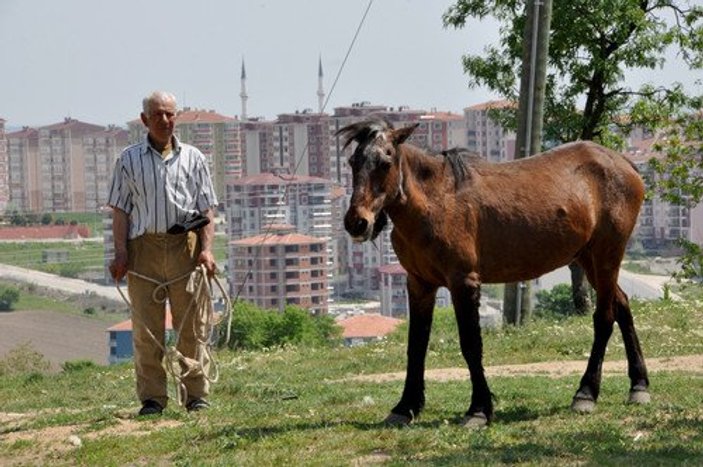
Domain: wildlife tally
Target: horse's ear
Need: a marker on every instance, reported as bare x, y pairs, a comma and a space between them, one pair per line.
401, 134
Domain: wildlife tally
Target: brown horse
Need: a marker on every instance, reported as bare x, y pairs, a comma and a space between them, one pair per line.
458, 224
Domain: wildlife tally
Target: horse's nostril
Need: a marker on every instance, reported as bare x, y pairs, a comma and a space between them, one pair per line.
357, 226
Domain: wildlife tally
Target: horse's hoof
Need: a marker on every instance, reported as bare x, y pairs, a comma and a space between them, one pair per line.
475, 421
639, 396
583, 403
397, 420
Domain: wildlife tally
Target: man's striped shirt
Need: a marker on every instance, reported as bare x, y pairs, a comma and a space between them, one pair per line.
158, 194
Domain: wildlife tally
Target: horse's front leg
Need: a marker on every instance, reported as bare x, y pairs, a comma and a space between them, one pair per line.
466, 297
421, 299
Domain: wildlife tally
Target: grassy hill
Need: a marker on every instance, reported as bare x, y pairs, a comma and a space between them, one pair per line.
304, 406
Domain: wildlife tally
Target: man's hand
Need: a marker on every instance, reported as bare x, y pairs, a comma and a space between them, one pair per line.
207, 259
118, 266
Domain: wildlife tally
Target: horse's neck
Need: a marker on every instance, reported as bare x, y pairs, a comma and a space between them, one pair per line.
422, 179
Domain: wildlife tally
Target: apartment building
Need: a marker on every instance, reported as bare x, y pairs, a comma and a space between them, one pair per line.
23, 176
300, 145
62, 161
661, 223
487, 137
444, 130
313, 205
101, 150
47, 166
4, 169
257, 146
280, 268
394, 294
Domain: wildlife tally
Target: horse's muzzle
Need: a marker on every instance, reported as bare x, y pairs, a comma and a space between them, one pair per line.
358, 227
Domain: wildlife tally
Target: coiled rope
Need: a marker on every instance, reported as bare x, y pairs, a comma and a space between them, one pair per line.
177, 365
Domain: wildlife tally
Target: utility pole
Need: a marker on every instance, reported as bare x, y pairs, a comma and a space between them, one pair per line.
517, 303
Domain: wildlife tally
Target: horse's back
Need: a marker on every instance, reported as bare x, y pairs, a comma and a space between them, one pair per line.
539, 213
607, 172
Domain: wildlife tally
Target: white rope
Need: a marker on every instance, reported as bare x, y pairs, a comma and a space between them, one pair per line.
177, 365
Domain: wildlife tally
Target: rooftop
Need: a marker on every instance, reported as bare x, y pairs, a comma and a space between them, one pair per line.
368, 325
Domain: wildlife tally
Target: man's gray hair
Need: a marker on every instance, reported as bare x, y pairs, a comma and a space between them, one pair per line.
157, 96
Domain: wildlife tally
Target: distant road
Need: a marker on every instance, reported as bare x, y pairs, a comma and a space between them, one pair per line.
63, 284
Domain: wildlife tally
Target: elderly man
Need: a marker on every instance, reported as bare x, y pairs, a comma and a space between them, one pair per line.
163, 204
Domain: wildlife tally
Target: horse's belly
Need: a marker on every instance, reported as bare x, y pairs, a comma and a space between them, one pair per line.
517, 273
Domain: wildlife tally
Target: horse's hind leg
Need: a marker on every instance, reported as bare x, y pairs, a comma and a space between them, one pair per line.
636, 369
605, 283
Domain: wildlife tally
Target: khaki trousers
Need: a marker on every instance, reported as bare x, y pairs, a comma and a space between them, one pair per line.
163, 258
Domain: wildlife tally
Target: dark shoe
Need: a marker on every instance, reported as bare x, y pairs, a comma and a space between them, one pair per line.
150, 407
197, 404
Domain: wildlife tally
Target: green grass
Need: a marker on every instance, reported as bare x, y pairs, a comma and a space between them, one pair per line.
296, 406
83, 256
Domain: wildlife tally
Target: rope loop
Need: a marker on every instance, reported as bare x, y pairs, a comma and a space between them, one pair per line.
177, 366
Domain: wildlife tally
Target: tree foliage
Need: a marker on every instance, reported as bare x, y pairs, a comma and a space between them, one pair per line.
593, 43
255, 328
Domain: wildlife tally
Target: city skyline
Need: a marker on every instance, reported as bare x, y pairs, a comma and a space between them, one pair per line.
94, 62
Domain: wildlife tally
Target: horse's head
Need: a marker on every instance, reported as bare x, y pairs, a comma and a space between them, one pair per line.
376, 175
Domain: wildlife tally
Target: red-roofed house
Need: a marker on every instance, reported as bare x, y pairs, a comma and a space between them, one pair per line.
364, 328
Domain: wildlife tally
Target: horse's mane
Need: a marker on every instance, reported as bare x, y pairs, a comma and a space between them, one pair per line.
459, 160
363, 130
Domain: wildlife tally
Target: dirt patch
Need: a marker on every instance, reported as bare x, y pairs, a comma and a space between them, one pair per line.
689, 363
56, 440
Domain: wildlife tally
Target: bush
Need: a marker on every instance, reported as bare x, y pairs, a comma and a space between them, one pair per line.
77, 365
23, 359
254, 328
47, 219
556, 302
8, 297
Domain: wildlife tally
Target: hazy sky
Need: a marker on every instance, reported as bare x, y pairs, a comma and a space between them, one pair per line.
94, 60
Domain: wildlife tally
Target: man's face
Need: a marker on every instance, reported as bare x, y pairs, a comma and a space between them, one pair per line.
160, 120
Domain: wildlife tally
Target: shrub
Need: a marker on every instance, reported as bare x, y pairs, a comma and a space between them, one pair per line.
77, 365
254, 328
8, 297
556, 302
47, 219
23, 359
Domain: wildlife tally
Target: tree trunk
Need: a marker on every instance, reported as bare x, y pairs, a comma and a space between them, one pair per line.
580, 290
517, 300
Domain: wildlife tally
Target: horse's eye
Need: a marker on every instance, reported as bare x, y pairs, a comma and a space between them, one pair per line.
388, 152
